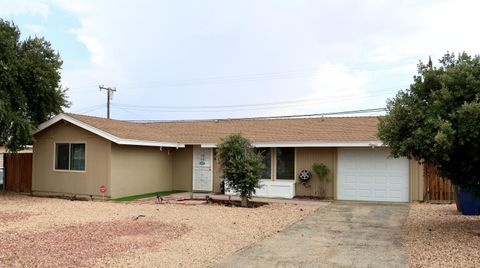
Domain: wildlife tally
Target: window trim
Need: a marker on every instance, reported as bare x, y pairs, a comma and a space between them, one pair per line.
69, 155
273, 164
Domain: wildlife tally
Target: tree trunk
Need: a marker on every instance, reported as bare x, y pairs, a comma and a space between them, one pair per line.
244, 201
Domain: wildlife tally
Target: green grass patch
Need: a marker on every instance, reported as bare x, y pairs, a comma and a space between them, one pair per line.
140, 196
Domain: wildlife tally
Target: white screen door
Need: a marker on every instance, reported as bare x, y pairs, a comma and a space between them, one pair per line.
202, 169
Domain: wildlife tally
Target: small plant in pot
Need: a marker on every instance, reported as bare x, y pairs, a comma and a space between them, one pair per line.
321, 170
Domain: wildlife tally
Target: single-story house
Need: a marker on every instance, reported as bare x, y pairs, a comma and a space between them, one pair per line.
76, 154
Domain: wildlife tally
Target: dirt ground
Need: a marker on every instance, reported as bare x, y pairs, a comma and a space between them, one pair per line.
39, 232
439, 236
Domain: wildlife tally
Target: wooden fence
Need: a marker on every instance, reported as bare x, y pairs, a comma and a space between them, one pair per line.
436, 187
18, 172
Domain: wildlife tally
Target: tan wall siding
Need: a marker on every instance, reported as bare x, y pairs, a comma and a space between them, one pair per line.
416, 181
183, 168
139, 170
217, 172
47, 181
305, 157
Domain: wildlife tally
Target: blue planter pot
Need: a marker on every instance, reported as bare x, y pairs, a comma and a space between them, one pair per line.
469, 203
456, 196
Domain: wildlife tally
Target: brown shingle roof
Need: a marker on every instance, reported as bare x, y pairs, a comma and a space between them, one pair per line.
328, 129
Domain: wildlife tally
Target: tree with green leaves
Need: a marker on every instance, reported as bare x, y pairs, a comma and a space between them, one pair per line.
438, 119
242, 167
30, 90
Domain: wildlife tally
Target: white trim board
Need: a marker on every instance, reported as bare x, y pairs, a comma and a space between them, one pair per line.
309, 144
105, 134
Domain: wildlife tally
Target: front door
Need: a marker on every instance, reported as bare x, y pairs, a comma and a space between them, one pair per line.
202, 169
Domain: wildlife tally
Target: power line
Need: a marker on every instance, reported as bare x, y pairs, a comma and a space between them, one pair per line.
296, 73
248, 108
225, 106
348, 112
125, 110
94, 109
81, 110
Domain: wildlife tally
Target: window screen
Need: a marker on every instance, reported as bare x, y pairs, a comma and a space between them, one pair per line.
77, 156
267, 161
61, 156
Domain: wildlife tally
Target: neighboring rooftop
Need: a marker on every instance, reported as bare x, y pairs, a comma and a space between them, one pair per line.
264, 130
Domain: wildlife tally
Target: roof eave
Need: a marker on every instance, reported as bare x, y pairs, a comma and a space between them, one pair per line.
105, 134
373, 143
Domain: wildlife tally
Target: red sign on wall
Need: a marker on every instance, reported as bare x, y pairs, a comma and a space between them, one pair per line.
103, 189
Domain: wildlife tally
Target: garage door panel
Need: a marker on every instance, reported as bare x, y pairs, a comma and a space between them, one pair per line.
381, 180
396, 180
364, 193
377, 166
370, 175
398, 195
350, 192
349, 179
364, 179
381, 194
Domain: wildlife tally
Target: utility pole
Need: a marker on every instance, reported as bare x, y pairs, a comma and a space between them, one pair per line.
110, 91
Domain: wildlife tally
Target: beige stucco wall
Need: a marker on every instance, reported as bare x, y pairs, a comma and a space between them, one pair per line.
47, 181
305, 157
139, 170
182, 168
416, 182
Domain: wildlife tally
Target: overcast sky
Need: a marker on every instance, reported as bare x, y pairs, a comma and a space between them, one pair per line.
218, 59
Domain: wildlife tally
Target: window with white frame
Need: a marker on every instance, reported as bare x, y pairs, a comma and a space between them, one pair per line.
70, 156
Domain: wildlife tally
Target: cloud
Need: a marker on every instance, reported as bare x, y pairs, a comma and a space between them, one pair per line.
339, 86
15, 7
36, 28
148, 49
94, 45
407, 68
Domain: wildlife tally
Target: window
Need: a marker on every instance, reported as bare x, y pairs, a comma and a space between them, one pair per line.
285, 163
62, 152
267, 161
70, 156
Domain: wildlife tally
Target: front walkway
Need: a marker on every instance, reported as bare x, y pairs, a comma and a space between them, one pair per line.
342, 234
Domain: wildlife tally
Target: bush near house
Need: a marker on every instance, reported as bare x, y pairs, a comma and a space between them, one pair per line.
438, 119
242, 167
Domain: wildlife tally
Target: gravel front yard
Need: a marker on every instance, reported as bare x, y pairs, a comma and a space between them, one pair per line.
439, 236
53, 232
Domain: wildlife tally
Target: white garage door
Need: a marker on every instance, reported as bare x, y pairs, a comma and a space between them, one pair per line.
370, 175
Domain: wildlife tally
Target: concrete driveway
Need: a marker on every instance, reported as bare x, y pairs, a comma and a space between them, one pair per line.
342, 234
